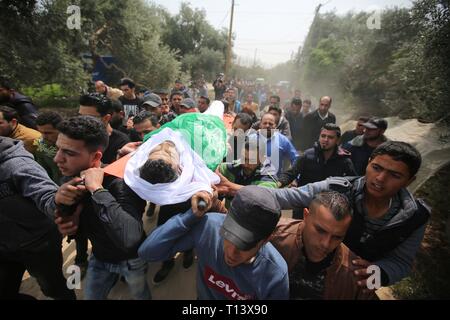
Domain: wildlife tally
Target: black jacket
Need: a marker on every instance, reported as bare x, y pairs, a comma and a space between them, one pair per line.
112, 220
312, 124
360, 153
312, 167
296, 125
26, 109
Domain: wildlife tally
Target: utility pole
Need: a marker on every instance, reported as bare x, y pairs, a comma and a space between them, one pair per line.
254, 59
230, 32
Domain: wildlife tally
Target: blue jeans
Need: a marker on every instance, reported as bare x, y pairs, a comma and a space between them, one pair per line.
102, 276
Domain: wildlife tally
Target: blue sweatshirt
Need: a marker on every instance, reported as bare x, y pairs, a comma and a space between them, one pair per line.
265, 278
277, 148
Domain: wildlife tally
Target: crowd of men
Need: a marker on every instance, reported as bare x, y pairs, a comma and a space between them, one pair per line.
347, 191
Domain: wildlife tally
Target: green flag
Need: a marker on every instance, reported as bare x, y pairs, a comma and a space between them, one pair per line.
205, 133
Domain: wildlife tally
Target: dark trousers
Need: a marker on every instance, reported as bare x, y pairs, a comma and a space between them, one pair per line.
81, 243
43, 261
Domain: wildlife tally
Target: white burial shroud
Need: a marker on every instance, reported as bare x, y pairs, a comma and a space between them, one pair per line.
195, 174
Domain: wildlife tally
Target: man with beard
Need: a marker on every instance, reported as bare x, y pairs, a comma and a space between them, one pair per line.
130, 101
352, 134
388, 223
324, 160
175, 100
23, 105
100, 107
314, 121
47, 125
278, 147
362, 147
108, 212
320, 265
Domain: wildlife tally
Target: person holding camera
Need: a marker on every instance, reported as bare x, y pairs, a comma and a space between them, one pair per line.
102, 207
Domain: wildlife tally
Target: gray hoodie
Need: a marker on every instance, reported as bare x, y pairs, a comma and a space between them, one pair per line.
26, 197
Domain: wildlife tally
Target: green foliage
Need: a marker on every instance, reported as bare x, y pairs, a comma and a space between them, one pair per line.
402, 68
51, 96
429, 279
206, 62
47, 91
147, 43
33, 50
201, 49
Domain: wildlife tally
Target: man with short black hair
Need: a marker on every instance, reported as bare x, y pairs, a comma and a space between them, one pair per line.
99, 106
145, 122
109, 213
47, 124
362, 147
234, 259
203, 103
242, 128
281, 122
180, 87
129, 100
324, 160
247, 170
388, 223
234, 105
175, 102
320, 265
164, 95
10, 127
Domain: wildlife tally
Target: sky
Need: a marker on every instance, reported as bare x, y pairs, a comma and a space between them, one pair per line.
272, 30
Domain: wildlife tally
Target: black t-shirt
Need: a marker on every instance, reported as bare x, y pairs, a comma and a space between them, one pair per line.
117, 140
307, 279
130, 107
